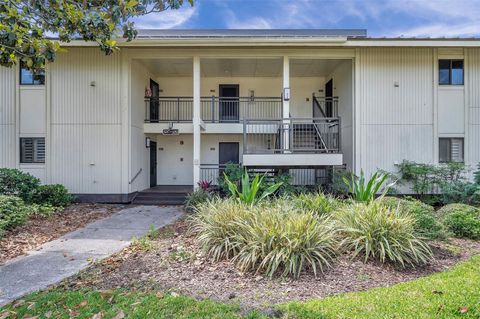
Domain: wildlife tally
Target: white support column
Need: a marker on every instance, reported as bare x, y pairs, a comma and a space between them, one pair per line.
286, 86
286, 102
196, 121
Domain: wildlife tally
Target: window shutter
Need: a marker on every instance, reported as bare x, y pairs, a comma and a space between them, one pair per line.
457, 149
26, 150
39, 154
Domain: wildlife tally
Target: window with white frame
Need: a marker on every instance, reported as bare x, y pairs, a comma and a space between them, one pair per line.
32, 150
451, 150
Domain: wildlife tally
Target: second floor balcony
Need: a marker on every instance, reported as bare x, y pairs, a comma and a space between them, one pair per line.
213, 109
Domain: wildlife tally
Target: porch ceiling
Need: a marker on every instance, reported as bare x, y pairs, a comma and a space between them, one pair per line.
236, 67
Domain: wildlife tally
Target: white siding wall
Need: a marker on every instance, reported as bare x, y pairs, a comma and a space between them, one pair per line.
472, 82
395, 107
86, 139
139, 154
7, 117
342, 83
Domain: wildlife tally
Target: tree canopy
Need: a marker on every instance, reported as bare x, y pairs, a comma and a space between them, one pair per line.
31, 30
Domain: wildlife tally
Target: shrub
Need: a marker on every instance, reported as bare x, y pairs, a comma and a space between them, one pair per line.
266, 238
234, 173
462, 220
420, 176
13, 212
43, 210
365, 191
275, 240
196, 198
378, 232
318, 203
426, 223
55, 195
17, 183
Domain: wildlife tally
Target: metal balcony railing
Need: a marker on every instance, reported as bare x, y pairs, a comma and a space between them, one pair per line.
213, 109
291, 135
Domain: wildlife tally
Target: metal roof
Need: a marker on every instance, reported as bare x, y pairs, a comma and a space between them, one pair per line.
249, 33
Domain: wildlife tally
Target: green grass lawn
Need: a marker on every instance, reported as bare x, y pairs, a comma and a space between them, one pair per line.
452, 294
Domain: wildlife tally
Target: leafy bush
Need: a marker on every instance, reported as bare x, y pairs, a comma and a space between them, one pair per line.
249, 191
420, 176
13, 212
462, 220
365, 191
205, 185
265, 238
234, 172
338, 186
426, 223
196, 198
318, 203
17, 183
378, 232
43, 210
275, 240
55, 195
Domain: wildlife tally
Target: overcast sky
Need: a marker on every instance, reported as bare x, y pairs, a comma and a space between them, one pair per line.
434, 18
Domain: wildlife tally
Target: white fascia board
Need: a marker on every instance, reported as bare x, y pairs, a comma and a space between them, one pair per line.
269, 160
411, 43
287, 42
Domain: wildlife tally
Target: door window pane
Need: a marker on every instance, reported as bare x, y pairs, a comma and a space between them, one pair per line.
457, 72
444, 72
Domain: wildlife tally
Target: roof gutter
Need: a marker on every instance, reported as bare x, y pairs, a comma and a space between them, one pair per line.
223, 42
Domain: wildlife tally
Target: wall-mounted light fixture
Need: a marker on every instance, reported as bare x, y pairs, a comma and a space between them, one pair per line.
147, 142
286, 94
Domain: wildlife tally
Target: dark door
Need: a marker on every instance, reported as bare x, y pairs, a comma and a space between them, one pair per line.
228, 152
229, 94
329, 98
154, 103
153, 164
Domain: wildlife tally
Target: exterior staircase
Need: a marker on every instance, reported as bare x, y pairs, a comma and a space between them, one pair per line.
162, 195
304, 136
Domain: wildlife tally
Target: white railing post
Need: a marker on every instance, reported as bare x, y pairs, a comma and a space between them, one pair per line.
196, 121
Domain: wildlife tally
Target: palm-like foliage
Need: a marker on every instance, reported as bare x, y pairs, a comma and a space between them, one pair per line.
364, 190
249, 192
377, 232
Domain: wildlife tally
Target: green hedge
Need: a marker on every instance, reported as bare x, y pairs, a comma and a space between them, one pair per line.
17, 183
462, 220
13, 212
55, 195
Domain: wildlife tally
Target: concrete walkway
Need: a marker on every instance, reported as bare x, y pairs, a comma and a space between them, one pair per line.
66, 256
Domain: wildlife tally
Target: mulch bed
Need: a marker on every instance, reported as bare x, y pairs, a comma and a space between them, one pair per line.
40, 230
176, 262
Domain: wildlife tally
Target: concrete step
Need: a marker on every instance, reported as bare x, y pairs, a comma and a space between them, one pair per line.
160, 197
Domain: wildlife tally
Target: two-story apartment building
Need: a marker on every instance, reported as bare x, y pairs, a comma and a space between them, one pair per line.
174, 106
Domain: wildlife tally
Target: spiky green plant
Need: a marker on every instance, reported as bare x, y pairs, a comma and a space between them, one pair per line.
377, 232
363, 190
249, 192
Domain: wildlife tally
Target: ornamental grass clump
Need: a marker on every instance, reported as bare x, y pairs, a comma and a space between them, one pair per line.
217, 225
378, 232
285, 243
427, 224
270, 238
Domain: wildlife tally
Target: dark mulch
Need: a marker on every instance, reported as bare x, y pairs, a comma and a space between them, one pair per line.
40, 230
175, 262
